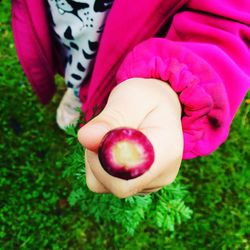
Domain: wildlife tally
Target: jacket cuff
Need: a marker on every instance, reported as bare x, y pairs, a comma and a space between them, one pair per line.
205, 107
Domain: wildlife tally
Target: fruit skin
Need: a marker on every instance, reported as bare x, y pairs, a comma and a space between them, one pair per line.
136, 141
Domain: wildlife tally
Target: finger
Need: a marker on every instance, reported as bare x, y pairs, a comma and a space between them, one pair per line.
119, 187
167, 140
148, 191
167, 176
93, 184
159, 183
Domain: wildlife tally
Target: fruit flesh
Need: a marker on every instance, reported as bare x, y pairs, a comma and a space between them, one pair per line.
125, 153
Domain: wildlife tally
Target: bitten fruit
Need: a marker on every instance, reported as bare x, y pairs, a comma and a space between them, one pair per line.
125, 153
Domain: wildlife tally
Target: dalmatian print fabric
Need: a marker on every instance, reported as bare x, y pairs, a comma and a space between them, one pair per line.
78, 26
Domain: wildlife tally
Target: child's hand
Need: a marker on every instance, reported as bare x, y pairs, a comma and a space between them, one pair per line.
152, 107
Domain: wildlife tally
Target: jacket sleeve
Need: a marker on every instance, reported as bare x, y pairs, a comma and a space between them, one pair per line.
205, 59
39, 54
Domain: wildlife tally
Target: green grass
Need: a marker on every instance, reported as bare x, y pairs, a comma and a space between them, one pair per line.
35, 214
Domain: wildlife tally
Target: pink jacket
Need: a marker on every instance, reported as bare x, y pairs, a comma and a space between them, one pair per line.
200, 48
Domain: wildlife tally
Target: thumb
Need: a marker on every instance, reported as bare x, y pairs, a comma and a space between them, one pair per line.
91, 134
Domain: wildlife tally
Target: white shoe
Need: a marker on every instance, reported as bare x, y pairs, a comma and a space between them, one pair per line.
67, 113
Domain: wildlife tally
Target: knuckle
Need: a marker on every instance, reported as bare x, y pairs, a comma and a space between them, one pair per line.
170, 180
115, 116
121, 193
91, 186
92, 183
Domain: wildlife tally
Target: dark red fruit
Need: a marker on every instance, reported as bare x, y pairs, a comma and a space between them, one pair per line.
125, 153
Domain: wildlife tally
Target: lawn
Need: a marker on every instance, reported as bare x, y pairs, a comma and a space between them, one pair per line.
34, 191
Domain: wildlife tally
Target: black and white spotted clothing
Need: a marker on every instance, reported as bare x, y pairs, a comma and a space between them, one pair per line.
78, 26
